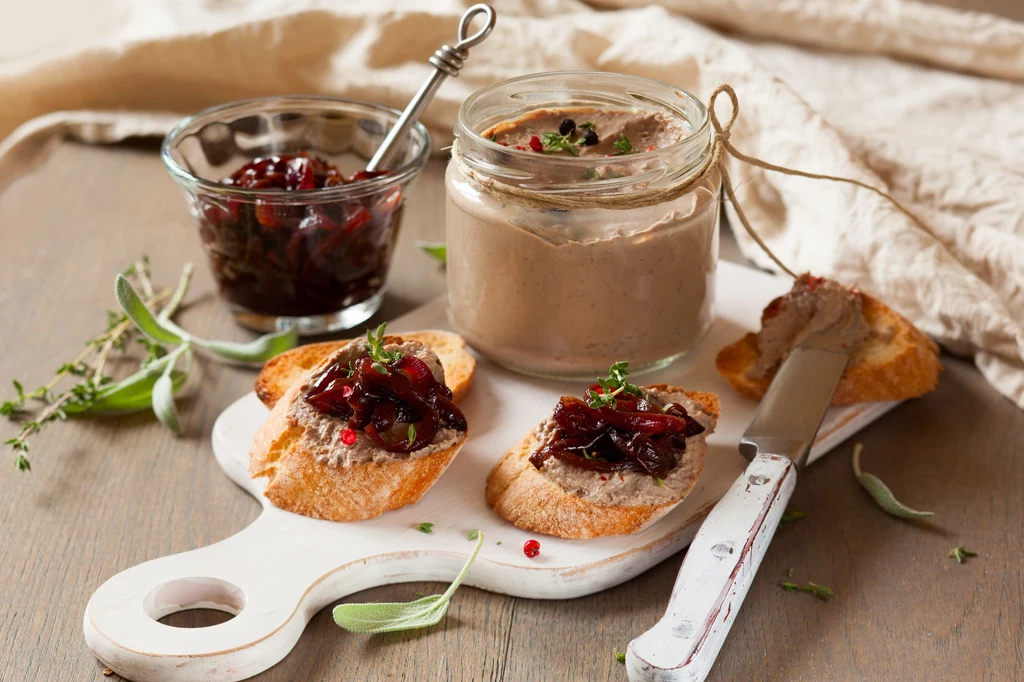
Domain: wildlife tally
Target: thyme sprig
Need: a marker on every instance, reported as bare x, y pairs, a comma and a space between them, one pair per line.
819, 591
157, 379
554, 142
622, 145
380, 356
612, 386
960, 554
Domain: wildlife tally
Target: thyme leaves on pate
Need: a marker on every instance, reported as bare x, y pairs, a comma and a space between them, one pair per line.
622, 145
378, 354
554, 142
612, 386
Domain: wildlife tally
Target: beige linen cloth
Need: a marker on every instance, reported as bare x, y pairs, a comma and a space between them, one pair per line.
923, 101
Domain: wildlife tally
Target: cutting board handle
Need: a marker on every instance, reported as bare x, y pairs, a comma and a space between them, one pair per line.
261, 575
715, 576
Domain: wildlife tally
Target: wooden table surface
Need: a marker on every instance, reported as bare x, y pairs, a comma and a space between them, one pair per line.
105, 495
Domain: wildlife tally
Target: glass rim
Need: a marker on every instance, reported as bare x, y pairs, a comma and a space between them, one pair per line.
351, 190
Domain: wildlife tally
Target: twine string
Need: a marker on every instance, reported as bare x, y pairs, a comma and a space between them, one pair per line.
648, 196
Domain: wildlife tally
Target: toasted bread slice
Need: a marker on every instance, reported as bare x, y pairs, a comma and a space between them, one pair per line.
299, 483
278, 375
519, 492
896, 362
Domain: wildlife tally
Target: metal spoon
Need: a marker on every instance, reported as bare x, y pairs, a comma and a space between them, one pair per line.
447, 62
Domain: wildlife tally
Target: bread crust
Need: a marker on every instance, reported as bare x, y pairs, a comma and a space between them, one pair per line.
300, 484
897, 362
285, 369
520, 493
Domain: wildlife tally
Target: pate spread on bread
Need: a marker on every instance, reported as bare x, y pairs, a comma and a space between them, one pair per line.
607, 465
891, 359
368, 429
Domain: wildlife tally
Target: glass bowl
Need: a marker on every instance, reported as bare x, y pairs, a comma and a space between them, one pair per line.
316, 259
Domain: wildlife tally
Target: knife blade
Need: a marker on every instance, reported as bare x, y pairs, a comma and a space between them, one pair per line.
724, 556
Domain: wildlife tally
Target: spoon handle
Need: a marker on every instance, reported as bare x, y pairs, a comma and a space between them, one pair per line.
447, 61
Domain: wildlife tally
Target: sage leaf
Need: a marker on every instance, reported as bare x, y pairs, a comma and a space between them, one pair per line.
125, 398
881, 494
163, 392
260, 350
438, 250
395, 616
140, 315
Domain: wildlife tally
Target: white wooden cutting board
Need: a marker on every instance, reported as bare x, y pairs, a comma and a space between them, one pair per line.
277, 573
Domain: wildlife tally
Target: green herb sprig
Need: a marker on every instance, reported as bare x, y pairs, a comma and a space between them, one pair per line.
378, 354
819, 591
620, 656
622, 145
880, 492
392, 617
789, 518
436, 250
425, 527
612, 386
960, 554
554, 142
153, 385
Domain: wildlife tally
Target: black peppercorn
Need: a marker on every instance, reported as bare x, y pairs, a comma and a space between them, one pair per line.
566, 126
590, 138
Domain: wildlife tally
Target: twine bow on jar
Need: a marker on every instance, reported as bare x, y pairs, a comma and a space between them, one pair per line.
647, 196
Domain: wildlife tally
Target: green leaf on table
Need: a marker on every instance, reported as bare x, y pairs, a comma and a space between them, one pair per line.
473, 534
960, 554
880, 492
819, 591
260, 350
620, 656
163, 392
395, 616
425, 527
141, 316
789, 518
436, 250
124, 398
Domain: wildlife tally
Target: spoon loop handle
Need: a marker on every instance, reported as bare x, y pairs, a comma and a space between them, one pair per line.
447, 61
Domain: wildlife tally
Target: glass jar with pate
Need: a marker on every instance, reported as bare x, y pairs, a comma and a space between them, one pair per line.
581, 226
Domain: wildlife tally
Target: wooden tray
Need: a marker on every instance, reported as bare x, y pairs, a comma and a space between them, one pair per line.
277, 573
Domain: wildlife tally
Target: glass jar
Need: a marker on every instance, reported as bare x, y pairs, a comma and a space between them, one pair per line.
560, 265
318, 258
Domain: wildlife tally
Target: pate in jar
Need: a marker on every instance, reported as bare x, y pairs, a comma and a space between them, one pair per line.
582, 226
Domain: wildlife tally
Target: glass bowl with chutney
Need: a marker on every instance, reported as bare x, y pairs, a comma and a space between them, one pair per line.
296, 232
582, 226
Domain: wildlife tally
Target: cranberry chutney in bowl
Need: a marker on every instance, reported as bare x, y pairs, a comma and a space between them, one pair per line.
296, 232
575, 234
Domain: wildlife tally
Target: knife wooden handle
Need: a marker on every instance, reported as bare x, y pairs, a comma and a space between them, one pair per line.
715, 576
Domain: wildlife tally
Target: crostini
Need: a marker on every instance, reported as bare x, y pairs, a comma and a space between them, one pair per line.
892, 359
608, 464
368, 429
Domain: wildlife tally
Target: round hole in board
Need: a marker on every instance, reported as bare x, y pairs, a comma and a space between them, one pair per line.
196, 618
187, 594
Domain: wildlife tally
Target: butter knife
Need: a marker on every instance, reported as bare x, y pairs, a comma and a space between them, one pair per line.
723, 558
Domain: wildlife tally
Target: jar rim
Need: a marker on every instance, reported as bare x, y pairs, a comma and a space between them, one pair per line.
468, 103
191, 124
